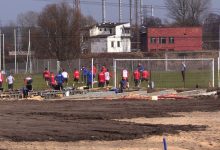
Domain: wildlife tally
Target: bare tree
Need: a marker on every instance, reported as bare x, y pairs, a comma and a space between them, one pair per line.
60, 30
211, 32
28, 19
187, 12
152, 22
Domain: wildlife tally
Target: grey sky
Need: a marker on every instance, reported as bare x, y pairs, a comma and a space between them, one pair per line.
9, 9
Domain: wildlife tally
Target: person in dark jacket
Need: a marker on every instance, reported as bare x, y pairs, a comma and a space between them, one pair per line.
59, 79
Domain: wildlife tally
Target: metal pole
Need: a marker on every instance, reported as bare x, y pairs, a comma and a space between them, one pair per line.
79, 64
152, 11
30, 51
3, 49
131, 12
115, 74
48, 65
92, 72
103, 11
15, 44
213, 72
120, 12
166, 66
218, 71
141, 12
0, 50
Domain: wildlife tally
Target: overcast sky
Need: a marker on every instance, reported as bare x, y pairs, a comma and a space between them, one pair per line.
9, 9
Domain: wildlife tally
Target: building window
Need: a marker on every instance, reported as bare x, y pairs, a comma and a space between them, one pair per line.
119, 44
100, 29
171, 40
153, 40
110, 31
112, 44
105, 29
162, 40
127, 31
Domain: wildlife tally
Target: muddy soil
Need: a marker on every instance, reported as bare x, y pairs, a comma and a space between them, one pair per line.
68, 121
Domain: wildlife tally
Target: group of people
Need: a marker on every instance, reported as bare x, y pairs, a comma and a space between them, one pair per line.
9, 80
139, 75
56, 81
89, 75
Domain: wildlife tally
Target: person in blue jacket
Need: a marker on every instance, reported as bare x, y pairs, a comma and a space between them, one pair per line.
140, 68
59, 79
89, 79
84, 73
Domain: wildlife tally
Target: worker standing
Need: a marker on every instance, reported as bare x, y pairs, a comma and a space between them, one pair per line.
10, 80
136, 77
65, 76
107, 77
101, 78
46, 76
125, 76
145, 76
52, 81
60, 80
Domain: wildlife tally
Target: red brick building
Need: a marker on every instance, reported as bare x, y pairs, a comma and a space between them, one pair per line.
174, 39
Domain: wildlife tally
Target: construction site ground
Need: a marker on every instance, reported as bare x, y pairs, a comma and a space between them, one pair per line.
109, 121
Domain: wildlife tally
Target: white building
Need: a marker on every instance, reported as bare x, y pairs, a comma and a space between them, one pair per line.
110, 37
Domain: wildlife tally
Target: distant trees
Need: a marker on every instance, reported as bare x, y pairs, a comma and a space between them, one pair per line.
152, 22
55, 31
187, 12
211, 32
28, 19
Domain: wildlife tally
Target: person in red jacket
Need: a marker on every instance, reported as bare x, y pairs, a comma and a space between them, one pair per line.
145, 76
101, 79
46, 75
104, 69
52, 81
76, 75
137, 77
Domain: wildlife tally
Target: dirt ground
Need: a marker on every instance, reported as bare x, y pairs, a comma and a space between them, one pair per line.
110, 124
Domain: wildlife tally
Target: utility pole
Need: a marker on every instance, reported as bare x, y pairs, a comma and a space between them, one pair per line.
29, 54
141, 12
130, 12
3, 50
0, 50
152, 11
137, 25
76, 39
103, 11
120, 11
15, 44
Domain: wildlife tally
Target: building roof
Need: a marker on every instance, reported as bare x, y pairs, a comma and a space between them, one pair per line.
173, 27
108, 25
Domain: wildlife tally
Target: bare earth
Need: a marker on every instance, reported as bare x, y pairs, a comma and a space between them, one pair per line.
110, 125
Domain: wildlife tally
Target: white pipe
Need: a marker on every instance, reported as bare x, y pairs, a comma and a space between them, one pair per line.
0, 50
92, 72
3, 50
15, 44
120, 11
103, 11
213, 72
218, 71
115, 74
